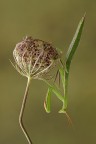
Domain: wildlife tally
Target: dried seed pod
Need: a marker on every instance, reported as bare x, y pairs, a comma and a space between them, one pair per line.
34, 57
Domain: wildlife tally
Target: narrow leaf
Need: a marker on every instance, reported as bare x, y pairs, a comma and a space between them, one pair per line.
75, 41
72, 48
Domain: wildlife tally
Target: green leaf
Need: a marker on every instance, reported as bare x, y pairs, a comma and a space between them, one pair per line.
72, 48
75, 41
64, 72
47, 102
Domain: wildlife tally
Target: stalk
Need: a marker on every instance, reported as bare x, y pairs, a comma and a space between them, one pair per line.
22, 113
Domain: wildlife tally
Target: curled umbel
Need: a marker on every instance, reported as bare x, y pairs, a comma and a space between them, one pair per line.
34, 57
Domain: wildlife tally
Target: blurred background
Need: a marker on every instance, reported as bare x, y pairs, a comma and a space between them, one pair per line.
55, 22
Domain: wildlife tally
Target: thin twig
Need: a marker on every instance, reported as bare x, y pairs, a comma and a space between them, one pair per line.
69, 119
22, 113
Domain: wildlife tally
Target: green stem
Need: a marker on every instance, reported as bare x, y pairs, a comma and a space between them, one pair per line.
22, 113
66, 75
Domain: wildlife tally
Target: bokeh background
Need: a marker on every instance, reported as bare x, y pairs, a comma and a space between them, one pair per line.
52, 21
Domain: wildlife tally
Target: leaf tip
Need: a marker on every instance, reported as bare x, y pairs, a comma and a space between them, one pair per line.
84, 16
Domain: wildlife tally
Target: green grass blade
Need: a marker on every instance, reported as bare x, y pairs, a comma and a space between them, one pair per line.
47, 102
75, 41
70, 53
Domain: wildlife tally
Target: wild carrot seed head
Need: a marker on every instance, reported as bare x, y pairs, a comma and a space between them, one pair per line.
34, 57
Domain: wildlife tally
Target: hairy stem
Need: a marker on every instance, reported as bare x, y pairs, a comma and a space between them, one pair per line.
22, 113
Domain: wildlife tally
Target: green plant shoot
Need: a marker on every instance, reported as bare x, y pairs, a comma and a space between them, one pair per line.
64, 71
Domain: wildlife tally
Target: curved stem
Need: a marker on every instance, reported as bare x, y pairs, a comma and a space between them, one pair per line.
22, 113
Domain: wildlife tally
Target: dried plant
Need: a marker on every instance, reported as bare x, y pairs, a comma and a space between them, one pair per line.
35, 59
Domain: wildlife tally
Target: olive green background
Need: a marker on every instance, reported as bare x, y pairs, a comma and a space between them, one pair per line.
53, 21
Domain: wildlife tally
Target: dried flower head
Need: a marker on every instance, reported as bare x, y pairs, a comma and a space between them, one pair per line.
34, 57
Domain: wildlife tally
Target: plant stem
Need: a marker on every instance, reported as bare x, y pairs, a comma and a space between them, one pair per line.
22, 113
66, 75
